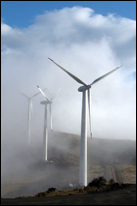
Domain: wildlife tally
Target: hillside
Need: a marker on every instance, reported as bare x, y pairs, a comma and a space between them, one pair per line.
29, 175
122, 196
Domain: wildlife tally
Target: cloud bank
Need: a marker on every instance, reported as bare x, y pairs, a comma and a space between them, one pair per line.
88, 45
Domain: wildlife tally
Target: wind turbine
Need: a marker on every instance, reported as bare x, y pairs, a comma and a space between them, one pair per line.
83, 147
45, 132
29, 112
50, 102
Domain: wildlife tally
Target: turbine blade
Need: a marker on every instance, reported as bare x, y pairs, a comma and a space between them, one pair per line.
55, 94
89, 105
43, 93
31, 109
38, 93
50, 116
98, 79
24, 95
29, 119
70, 74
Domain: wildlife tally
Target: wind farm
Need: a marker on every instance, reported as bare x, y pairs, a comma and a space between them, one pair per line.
70, 154
83, 147
56, 146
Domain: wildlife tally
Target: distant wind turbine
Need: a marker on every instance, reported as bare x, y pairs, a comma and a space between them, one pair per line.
86, 93
45, 132
50, 102
29, 113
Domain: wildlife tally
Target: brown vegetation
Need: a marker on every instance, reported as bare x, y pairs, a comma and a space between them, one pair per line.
106, 158
96, 185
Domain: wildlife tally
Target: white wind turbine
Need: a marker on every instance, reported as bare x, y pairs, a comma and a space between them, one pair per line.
45, 132
29, 112
83, 148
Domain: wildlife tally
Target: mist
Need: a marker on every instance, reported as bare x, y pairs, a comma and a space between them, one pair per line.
88, 45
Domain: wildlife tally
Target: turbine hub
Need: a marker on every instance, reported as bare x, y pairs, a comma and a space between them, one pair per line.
84, 88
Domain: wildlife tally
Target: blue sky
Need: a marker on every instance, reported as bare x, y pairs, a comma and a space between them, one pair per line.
22, 13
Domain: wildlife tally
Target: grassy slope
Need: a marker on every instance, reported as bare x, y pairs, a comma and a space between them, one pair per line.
118, 155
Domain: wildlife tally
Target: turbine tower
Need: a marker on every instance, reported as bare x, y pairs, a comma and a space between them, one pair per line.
86, 94
29, 113
45, 132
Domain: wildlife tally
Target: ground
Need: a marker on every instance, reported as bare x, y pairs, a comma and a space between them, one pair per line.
25, 174
124, 196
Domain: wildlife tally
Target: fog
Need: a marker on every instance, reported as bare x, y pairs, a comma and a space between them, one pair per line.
88, 45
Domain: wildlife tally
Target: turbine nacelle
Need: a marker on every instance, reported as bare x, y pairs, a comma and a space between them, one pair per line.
84, 88
45, 102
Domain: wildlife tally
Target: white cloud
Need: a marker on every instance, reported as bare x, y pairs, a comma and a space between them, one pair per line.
5, 29
88, 45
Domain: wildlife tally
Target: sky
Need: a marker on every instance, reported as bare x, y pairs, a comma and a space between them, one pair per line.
22, 13
88, 38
